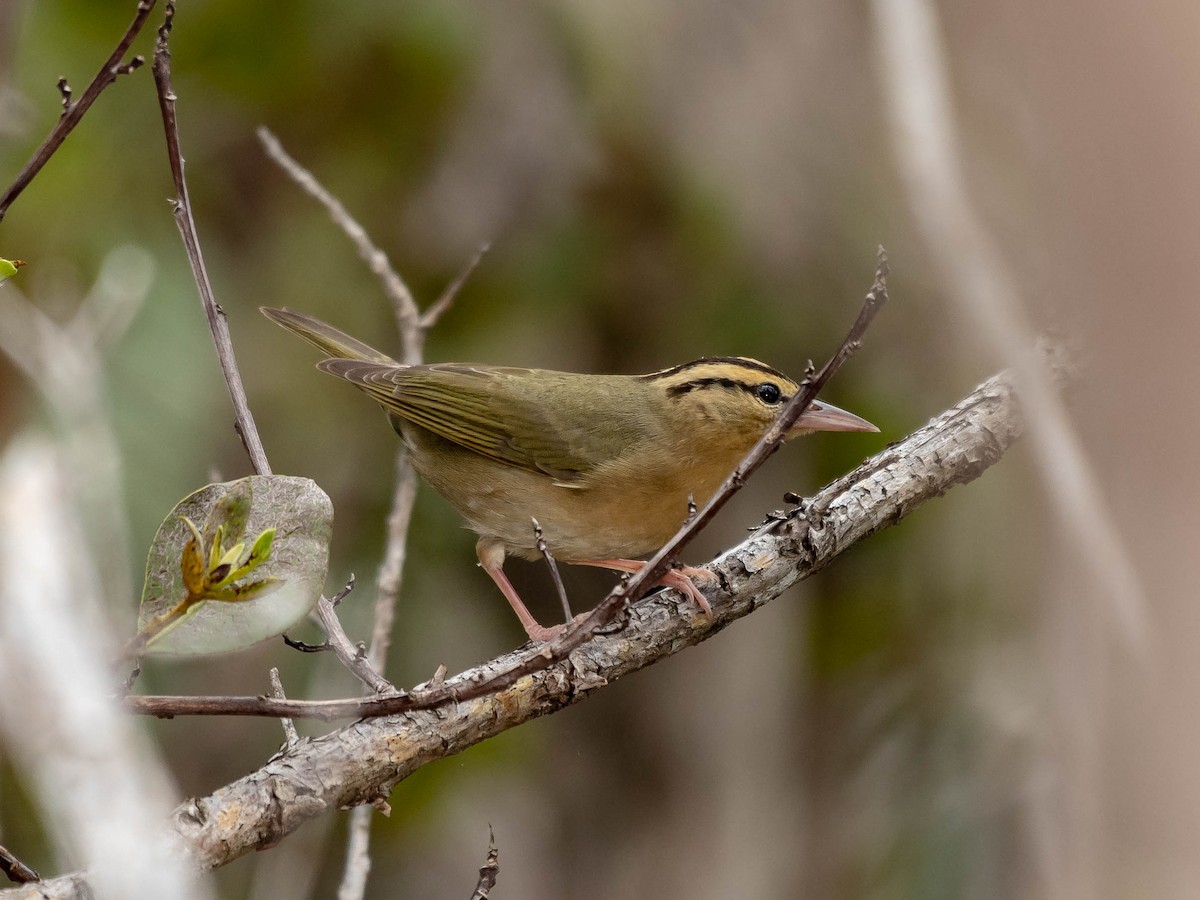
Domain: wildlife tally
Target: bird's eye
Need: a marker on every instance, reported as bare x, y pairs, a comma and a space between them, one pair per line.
768, 393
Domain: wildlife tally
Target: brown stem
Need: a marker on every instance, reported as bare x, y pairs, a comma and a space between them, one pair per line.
112, 69
243, 419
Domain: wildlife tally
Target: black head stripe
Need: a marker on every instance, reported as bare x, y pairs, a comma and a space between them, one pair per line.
677, 390
739, 361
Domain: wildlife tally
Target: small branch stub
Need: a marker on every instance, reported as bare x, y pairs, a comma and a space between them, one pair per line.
20, 872
489, 871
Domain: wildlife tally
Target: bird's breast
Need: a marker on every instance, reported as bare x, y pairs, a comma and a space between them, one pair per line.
626, 508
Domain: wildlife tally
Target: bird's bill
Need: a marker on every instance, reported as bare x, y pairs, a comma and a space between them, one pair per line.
821, 416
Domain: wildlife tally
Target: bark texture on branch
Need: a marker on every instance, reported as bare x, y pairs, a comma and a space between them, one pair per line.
365, 760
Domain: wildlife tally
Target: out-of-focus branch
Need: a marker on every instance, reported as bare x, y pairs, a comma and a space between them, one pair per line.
64, 364
925, 134
76, 750
408, 314
73, 112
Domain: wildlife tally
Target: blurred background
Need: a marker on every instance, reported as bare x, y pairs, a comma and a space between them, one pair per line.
950, 711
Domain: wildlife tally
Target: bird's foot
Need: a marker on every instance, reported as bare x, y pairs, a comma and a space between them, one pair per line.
681, 580
675, 578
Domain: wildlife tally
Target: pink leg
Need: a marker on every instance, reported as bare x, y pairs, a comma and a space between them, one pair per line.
491, 558
675, 578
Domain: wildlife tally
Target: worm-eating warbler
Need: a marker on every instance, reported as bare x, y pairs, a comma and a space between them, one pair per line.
606, 463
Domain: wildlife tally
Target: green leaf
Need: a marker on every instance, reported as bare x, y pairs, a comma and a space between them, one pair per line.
261, 549
293, 519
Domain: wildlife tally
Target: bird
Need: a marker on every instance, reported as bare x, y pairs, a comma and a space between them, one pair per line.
607, 464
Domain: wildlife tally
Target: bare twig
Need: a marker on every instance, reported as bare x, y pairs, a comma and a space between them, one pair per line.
438, 308
489, 870
552, 565
243, 419
73, 749
304, 647
353, 656
925, 133
395, 551
290, 736
403, 304
112, 69
353, 885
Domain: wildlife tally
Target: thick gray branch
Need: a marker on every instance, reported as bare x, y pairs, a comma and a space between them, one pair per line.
363, 761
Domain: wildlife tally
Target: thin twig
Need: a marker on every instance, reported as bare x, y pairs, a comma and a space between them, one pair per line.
539, 540
403, 304
391, 569
112, 69
353, 656
395, 551
438, 308
243, 419
489, 871
305, 647
290, 736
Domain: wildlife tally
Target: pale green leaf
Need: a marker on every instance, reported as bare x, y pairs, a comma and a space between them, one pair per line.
293, 519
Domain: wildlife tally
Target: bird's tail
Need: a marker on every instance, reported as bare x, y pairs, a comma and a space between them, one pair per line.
329, 340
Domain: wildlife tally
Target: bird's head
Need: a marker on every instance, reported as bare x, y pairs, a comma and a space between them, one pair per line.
741, 397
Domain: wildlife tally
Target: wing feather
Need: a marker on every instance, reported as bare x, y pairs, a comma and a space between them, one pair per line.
490, 411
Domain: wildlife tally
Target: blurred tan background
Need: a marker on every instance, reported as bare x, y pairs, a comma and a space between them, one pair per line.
950, 711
